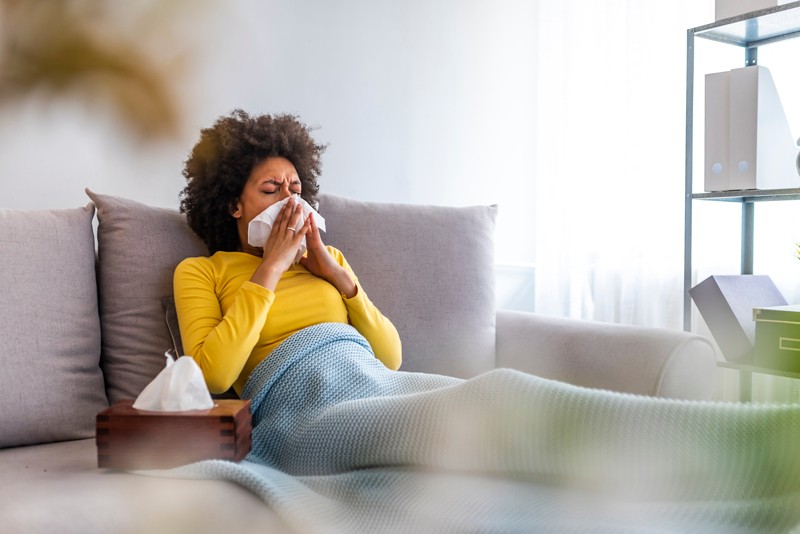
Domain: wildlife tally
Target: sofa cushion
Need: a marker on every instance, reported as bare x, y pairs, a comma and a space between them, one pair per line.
57, 488
138, 249
50, 347
430, 270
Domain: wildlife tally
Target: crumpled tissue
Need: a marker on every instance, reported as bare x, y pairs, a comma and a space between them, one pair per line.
179, 387
259, 228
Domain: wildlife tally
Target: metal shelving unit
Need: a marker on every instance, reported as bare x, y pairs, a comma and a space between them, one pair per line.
748, 31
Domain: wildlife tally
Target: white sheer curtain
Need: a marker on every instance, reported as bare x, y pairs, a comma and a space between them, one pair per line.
610, 158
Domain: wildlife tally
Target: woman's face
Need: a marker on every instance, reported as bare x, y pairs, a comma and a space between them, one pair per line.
270, 181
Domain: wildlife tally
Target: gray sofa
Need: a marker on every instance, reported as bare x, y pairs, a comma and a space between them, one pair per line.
85, 324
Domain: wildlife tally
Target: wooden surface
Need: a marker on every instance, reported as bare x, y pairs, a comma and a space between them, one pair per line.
128, 438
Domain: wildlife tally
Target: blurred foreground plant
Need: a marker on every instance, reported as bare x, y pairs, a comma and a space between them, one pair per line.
97, 51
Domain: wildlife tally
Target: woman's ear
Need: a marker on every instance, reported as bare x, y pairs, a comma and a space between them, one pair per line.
236, 210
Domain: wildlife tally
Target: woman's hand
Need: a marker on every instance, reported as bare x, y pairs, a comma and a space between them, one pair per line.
282, 245
319, 263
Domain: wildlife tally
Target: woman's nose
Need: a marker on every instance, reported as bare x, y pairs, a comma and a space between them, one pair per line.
285, 192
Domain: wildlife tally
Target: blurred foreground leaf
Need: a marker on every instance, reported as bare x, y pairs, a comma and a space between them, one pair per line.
57, 48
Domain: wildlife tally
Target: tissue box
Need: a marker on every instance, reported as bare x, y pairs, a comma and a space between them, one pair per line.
128, 438
778, 338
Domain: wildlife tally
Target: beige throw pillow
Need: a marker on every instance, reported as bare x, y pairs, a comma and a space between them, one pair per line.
50, 342
139, 247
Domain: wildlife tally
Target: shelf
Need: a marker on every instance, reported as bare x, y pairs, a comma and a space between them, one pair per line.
750, 195
746, 376
753, 369
756, 28
749, 30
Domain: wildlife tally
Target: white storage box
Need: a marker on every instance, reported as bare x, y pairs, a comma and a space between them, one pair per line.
731, 8
727, 303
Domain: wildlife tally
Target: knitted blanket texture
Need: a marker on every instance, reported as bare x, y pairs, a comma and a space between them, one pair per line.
342, 444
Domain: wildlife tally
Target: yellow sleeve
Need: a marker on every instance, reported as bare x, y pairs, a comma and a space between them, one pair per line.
219, 344
370, 322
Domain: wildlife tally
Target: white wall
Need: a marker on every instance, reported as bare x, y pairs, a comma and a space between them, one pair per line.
420, 101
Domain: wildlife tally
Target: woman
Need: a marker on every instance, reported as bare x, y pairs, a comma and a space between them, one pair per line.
237, 305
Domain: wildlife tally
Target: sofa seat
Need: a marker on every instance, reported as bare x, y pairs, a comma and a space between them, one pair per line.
57, 487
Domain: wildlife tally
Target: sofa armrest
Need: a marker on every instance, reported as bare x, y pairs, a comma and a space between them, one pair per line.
624, 358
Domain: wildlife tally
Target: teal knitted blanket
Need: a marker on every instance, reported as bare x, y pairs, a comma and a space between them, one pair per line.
342, 444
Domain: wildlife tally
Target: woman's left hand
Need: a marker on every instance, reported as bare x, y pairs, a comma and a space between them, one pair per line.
320, 263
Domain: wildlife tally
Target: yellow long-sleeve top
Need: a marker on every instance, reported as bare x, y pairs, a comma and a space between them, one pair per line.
229, 324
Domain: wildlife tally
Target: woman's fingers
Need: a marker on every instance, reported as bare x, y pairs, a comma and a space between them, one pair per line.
287, 212
280, 222
313, 232
288, 218
297, 214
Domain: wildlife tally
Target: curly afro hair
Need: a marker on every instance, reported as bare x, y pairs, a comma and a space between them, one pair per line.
220, 165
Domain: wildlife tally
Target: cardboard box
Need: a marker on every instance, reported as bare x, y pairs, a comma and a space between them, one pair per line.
128, 438
778, 338
727, 303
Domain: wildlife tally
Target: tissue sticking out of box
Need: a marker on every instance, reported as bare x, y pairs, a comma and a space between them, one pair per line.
260, 227
179, 387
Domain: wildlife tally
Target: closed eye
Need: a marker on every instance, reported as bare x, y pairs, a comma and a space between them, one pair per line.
274, 186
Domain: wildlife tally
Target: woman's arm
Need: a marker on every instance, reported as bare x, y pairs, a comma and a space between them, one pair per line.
370, 322
329, 264
221, 345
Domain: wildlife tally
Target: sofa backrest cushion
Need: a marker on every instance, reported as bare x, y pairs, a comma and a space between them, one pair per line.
430, 270
50, 346
138, 248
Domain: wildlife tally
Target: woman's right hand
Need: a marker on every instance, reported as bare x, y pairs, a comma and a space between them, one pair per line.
282, 245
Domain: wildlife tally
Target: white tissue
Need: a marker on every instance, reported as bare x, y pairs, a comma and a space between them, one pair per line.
178, 388
259, 228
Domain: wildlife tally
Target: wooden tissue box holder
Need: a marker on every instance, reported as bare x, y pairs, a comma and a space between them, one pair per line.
128, 438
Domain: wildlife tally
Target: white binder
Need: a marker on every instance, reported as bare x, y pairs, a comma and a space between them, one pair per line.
748, 141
